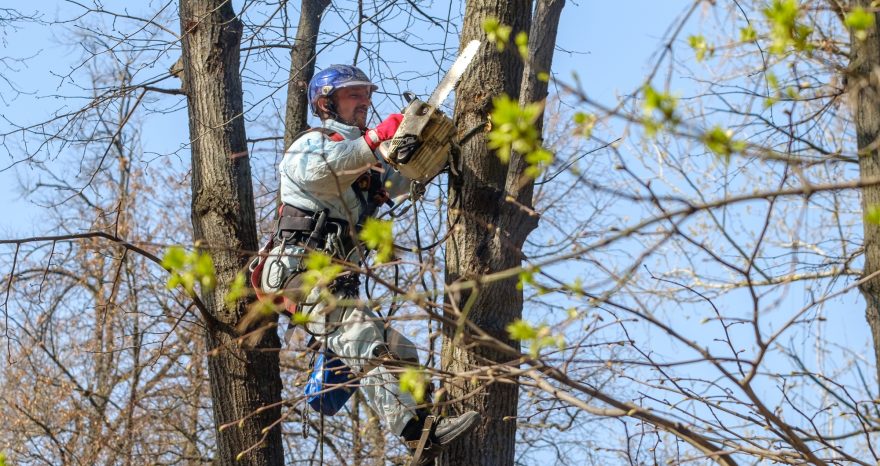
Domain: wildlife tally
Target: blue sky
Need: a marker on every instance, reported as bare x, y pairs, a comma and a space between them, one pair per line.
610, 45
605, 43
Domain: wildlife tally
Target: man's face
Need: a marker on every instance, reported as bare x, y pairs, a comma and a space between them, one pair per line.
353, 104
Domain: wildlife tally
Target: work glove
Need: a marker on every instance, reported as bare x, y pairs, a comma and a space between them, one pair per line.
383, 131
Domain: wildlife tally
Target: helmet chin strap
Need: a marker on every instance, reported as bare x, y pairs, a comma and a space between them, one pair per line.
330, 109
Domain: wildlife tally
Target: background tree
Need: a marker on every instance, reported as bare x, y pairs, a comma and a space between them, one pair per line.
302, 68
100, 364
865, 46
685, 296
245, 384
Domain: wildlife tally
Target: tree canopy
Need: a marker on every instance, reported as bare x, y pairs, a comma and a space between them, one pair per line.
671, 258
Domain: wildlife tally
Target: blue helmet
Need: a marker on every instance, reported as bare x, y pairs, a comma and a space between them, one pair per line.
328, 80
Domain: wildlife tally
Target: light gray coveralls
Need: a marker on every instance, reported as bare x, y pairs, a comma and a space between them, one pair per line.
316, 173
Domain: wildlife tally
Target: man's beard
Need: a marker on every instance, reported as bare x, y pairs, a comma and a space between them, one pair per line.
358, 119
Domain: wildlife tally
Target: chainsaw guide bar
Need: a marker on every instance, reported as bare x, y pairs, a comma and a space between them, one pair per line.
421, 146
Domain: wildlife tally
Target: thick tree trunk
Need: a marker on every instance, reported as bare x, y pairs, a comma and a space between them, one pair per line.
476, 248
242, 382
542, 42
864, 88
302, 68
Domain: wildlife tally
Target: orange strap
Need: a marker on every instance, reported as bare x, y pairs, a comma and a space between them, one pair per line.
290, 307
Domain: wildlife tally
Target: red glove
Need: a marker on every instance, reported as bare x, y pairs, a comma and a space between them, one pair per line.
384, 131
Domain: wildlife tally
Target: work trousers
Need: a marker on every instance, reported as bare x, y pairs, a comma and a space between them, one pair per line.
354, 332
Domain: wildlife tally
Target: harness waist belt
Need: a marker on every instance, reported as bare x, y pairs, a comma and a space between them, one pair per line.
295, 219
313, 230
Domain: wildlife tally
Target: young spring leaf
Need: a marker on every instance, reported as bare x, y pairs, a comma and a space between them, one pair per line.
414, 381
522, 330
378, 235
860, 21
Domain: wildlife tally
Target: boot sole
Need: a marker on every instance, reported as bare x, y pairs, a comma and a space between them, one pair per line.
470, 420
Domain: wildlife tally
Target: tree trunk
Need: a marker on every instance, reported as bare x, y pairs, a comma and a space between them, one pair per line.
242, 382
302, 68
863, 87
542, 42
476, 248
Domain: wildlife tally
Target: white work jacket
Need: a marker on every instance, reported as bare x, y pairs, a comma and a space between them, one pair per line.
316, 173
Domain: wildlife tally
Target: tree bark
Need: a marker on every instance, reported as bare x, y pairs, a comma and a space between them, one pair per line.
865, 96
302, 68
476, 247
242, 381
542, 42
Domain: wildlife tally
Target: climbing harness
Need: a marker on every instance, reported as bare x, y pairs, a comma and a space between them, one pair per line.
331, 382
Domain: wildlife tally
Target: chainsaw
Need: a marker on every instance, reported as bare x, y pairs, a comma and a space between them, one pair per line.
421, 147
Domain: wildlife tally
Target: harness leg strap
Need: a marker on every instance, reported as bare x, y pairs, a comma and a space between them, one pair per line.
383, 356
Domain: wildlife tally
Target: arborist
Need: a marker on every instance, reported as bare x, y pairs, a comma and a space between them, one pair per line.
329, 184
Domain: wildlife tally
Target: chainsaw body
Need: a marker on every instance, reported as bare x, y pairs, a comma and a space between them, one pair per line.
420, 148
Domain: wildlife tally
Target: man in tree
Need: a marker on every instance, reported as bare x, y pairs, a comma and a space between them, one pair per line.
332, 178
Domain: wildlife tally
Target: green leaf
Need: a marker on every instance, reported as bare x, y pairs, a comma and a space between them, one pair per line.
526, 277
320, 271
538, 160
188, 281
560, 342
2, 459
785, 30
513, 129
378, 235
173, 281
203, 264
539, 157
651, 126
187, 269
772, 81
721, 142
748, 34
522, 44
237, 290
585, 123
860, 21
174, 258
659, 104
543, 76
415, 382
701, 47
547, 341
203, 269
544, 339
264, 308
490, 24
317, 260
873, 214
522, 330
300, 318
576, 287
496, 33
